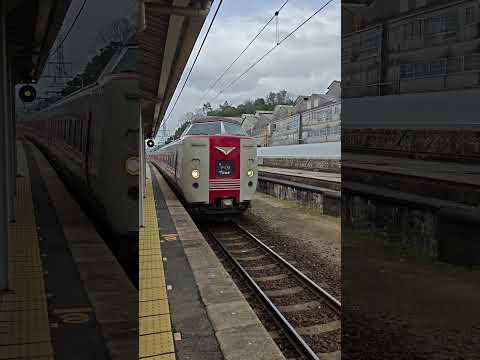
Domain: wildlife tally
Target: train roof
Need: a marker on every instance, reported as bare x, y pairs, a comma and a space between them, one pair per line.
203, 119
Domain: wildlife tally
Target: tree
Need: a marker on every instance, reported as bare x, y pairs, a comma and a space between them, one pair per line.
281, 97
119, 31
259, 103
250, 107
271, 98
207, 108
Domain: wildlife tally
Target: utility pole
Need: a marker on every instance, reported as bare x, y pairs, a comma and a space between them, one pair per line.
300, 128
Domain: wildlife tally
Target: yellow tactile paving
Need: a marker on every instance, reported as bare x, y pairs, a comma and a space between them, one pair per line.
163, 357
156, 344
156, 339
24, 325
157, 307
155, 324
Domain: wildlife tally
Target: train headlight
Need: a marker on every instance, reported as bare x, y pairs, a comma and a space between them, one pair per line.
132, 165
195, 174
250, 173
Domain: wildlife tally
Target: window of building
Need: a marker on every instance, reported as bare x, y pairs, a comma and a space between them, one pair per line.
441, 23
417, 30
403, 5
421, 70
469, 15
408, 31
471, 62
438, 67
420, 3
406, 71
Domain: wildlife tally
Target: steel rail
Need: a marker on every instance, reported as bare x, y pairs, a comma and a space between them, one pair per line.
291, 333
332, 302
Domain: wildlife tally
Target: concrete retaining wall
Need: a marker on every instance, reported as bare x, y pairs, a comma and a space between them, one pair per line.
326, 201
455, 145
326, 165
442, 231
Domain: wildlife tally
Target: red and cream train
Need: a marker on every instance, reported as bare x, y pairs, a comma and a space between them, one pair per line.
213, 165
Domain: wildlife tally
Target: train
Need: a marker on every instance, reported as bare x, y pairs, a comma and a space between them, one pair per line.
92, 138
213, 166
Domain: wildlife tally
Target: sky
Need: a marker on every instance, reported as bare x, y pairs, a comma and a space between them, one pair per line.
305, 63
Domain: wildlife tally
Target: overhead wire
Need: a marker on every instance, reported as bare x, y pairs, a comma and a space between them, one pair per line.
194, 61
69, 30
271, 50
275, 15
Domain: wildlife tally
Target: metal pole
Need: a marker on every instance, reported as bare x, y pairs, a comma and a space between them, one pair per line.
3, 154
142, 174
10, 145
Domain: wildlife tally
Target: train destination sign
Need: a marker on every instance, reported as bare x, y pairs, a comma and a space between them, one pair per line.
224, 168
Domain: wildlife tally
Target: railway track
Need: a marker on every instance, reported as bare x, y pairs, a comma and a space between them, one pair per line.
303, 311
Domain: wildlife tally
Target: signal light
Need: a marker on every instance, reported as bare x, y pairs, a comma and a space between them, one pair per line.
27, 93
150, 143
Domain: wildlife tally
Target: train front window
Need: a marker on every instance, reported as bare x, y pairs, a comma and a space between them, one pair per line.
233, 129
211, 128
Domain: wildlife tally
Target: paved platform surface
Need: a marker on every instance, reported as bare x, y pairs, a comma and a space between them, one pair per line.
70, 299
432, 183
210, 318
316, 181
326, 176
446, 171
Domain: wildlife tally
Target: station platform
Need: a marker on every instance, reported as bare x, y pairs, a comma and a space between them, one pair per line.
190, 307
68, 297
326, 180
316, 190
444, 183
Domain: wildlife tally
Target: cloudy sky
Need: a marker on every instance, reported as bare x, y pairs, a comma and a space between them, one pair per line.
305, 63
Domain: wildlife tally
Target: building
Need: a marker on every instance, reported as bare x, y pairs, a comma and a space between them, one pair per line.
312, 119
407, 46
256, 125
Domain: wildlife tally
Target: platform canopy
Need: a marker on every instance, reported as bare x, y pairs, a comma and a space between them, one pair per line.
32, 26
168, 32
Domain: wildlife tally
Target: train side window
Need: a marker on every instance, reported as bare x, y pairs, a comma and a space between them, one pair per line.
77, 133
80, 142
70, 132
74, 134
92, 136
80, 135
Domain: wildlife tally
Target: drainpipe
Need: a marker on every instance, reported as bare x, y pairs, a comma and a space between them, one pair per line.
300, 129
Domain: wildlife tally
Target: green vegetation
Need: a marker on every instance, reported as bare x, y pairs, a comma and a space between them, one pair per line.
250, 106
